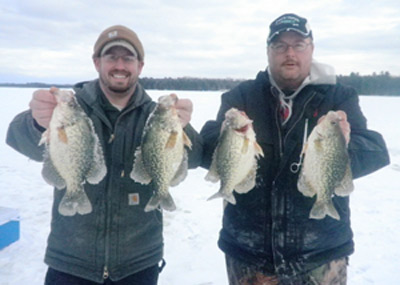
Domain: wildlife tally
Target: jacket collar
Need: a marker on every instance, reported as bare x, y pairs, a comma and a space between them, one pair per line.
89, 91
320, 74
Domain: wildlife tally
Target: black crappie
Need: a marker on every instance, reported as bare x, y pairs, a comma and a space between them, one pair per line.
162, 158
326, 169
235, 157
73, 154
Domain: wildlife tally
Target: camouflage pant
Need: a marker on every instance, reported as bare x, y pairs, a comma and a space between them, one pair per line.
332, 273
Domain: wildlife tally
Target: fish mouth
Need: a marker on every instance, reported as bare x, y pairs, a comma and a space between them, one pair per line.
167, 101
243, 114
237, 120
63, 96
243, 129
174, 97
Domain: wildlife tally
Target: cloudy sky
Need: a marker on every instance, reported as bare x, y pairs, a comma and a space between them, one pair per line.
52, 41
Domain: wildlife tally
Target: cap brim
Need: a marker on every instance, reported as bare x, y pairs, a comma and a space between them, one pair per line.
120, 43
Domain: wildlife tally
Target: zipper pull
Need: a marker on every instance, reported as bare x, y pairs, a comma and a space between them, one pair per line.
105, 273
111, 139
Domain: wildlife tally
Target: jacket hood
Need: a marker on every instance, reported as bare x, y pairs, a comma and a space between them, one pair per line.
320, 73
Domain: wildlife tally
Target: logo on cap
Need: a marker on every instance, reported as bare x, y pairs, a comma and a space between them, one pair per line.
288, 20
112, 34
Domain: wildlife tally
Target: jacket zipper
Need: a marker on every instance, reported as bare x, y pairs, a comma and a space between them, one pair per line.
279, 133
301, 115
107, 210
105, 121
105, 273
281, 143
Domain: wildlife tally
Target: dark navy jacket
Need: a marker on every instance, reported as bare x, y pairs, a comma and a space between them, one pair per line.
269, 226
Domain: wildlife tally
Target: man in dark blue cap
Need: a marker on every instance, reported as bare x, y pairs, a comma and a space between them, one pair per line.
268, 236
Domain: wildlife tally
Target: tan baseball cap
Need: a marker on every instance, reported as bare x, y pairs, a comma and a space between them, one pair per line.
118, 36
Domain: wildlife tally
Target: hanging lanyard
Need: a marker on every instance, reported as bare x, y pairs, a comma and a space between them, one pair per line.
295, 166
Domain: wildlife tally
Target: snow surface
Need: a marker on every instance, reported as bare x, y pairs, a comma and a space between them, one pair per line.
191, 232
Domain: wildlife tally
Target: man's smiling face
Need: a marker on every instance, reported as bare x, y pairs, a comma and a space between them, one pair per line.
118, 70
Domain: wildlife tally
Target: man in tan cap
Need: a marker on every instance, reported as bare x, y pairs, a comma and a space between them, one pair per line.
118, 78
118, 242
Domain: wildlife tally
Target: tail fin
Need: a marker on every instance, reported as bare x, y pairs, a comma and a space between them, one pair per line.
323, 208
167, 203
75, 202
228, 197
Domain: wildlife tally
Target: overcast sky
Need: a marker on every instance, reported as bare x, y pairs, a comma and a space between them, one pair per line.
52, 41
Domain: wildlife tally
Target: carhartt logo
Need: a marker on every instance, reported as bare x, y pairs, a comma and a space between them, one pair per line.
133, 199
112, 34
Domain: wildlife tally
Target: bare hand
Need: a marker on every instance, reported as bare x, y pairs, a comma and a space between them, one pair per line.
42, 106
344, 124
184, 107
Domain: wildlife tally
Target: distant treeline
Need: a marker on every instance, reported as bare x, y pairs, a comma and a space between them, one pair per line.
375, 84
189, 83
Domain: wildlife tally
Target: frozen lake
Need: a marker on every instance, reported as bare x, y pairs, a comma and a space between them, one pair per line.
191, 232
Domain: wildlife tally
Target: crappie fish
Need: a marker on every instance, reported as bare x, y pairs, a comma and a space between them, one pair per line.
162, 158
73, 154
234, 160
326, 169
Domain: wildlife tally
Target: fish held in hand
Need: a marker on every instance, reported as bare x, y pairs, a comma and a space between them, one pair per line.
162, 158
326, 168
73, 154
234, 161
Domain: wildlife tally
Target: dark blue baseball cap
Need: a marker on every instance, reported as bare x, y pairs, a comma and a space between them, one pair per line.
289, 22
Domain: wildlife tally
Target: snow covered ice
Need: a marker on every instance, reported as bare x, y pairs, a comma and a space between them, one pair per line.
191, 232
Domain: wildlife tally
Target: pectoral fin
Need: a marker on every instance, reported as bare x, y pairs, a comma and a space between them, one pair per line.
62, 135
173, 137
245, 146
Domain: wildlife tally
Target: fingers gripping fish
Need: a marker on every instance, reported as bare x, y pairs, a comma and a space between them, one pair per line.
73, 154
162, 158
234, 160
326, 169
